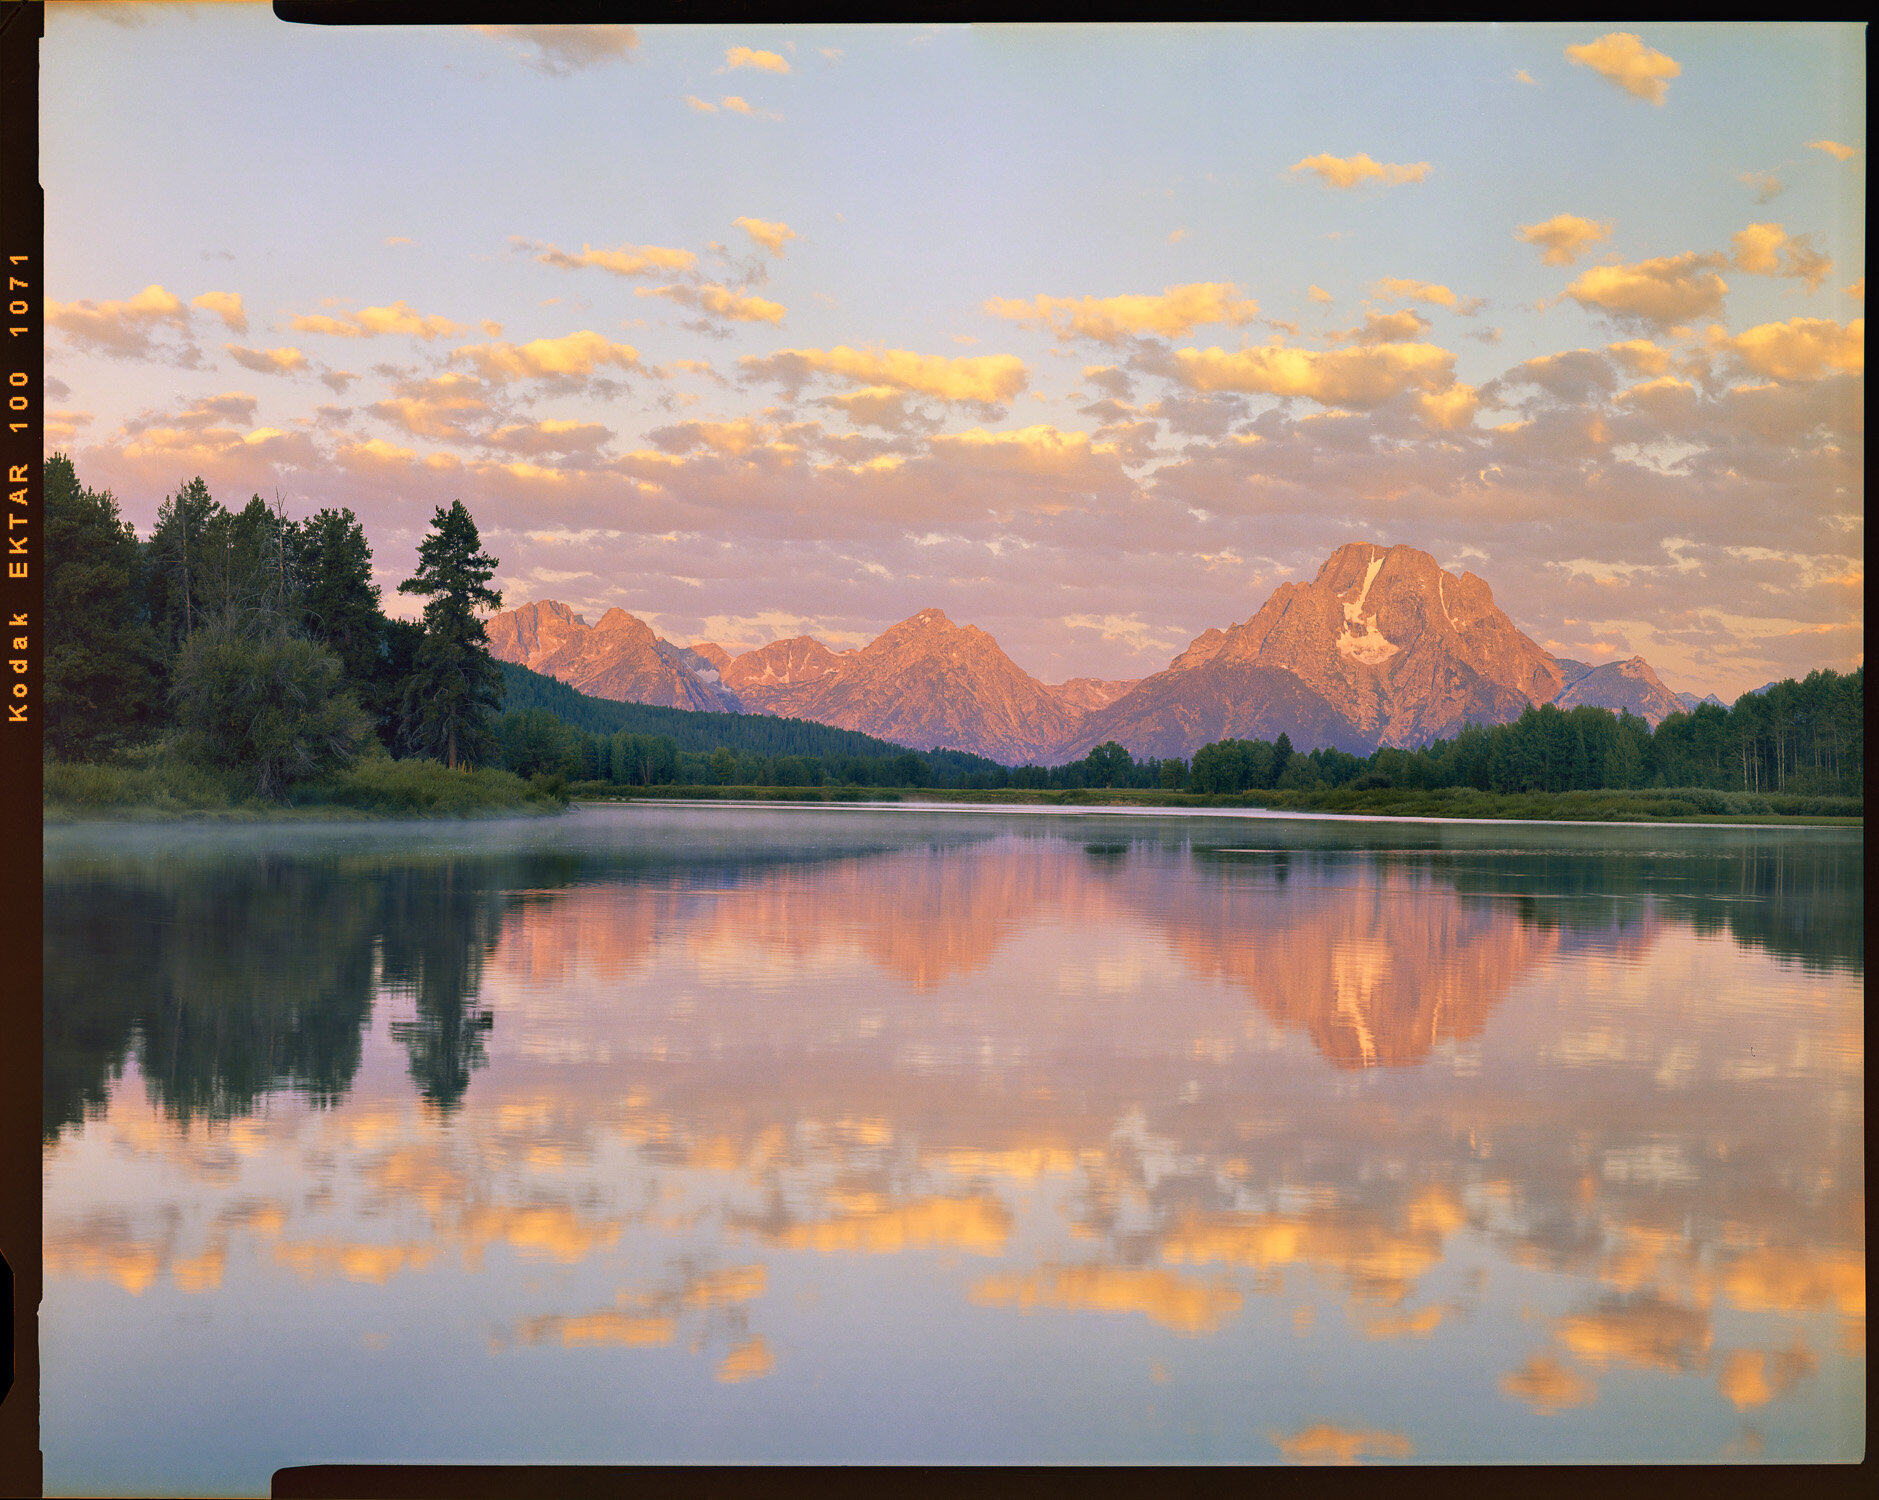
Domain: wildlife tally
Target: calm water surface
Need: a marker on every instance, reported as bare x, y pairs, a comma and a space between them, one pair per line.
670, 1135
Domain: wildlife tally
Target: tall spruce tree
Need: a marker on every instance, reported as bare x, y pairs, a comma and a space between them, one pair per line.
101, 690
455, 689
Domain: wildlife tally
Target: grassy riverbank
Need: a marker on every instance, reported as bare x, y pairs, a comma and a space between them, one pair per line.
1655, 805
159, 790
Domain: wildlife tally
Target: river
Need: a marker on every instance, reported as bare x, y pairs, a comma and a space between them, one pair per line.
822, 1134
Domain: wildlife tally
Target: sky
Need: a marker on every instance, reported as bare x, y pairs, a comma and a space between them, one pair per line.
1090, 336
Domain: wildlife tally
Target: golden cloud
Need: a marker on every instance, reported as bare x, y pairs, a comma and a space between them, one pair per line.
1799, 349
1384, 328
622, 260
1360, 377
744, 107
574, 354
1173, 314
1039, 449
720, 302
122, 328
1768, 250
1416, 291
372, 322
286, 361
735, 438
1640, 356
226, 306
989, 379
1670, 289
767, 234
1833, 149
1564, 237
1449, 410
1319, 294
1354, 171
703, 106
747, 57
1622, 57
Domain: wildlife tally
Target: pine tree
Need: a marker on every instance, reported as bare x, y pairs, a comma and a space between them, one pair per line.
100, 688
452, 695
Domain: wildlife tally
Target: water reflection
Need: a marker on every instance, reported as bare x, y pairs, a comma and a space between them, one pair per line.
1576, 1117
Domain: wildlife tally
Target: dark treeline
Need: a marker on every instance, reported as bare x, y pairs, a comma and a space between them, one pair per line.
755, 740
254, 643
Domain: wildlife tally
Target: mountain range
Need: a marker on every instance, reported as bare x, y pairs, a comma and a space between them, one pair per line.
1383, 646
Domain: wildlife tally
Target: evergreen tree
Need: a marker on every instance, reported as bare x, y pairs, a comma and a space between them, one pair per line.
177, 559
339, 603
101, 690
455, 688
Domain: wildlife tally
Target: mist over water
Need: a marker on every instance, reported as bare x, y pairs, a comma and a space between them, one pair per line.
658, 1134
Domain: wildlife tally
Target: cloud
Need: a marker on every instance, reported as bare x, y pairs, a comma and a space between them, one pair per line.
741, 106
1563, 237
62, 426
746, 57
397, 239
1799, 349
703, 106
1757, 248
1353, 171
720, 302
124, 330
881, 406
1384, 328
1856, 289
554, 436
1175, 236
1640, 356
622, 260
1765, 184
1622, 57
985, 379
1833, 149
287, 361
1363, 377
575, 354
1416, 291
1521, 75
1319, 294
1173, 314
373, 322
1670, 289
560, 50
226, 306
445, 407
1449, 410
337, 380
737, 438
771, 236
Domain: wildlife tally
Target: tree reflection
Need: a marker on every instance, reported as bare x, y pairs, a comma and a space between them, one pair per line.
440, 926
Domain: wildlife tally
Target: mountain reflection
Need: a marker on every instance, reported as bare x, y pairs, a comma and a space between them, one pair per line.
232, 978
661, 1098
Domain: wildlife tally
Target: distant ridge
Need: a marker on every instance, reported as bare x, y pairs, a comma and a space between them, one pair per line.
759, 734
1382, 647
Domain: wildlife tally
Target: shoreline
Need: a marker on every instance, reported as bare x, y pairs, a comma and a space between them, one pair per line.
1746, 820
